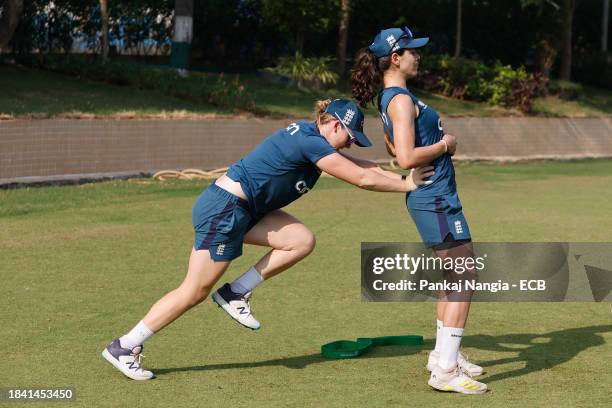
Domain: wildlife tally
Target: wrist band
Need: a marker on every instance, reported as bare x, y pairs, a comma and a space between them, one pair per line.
445, 145
404, 177
350, 349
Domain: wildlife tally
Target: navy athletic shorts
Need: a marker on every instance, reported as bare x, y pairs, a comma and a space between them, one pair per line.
220, 221
438, 216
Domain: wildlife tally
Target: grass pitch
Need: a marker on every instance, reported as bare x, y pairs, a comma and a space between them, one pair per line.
81, 265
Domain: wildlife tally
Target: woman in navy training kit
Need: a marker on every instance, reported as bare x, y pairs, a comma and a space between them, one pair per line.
244, 205
414, 135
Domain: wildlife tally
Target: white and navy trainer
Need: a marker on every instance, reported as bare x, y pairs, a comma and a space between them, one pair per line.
236, 305
455, 380
472, 369
127, 361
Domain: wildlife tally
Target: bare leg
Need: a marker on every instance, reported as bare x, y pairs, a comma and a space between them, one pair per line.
202, 275
290, 240
454, 313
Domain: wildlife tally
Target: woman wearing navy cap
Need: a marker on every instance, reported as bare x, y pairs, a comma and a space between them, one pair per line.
244, 205
414, 135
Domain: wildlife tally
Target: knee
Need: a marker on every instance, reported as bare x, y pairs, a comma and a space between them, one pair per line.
194, 296
306, 243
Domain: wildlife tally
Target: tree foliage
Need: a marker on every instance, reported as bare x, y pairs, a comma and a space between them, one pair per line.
235, 34
297, 17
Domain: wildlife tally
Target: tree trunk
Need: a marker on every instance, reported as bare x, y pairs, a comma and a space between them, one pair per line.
604, 25
458, 35
299, 40
546, 55
9, 21
104, 18
345, 10
183, 33
566, 54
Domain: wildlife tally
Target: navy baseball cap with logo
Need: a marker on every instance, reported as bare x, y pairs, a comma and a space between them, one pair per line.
394, 39
351, 117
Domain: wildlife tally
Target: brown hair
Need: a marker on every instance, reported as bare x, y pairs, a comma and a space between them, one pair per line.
367, 75
322, 117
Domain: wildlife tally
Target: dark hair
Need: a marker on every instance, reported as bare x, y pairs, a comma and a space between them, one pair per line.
367, 75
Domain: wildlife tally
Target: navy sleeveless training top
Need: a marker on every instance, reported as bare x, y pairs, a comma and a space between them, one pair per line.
428, 130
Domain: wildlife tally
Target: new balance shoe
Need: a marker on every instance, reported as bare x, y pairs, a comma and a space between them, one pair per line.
127, 361
472, 369
455, 380
236, 305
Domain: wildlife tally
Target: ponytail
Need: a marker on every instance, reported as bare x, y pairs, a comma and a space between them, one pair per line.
322, 117
366, 78
367, 75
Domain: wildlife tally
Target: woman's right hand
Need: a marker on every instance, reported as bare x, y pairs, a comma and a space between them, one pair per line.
451, 142
419, 176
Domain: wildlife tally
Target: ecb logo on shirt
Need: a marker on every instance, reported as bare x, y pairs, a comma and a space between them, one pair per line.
301, 187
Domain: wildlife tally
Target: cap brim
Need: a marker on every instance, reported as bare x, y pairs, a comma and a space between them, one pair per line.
361, 139
414, 43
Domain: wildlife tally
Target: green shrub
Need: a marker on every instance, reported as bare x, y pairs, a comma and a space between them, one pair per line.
227, 93
470, 79
307, 72
460, 78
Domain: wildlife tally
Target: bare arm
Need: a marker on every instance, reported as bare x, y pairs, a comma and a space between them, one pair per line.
371, 165
369, 179
402, 113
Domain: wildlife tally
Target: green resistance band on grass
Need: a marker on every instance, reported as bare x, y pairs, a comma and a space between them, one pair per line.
351, 349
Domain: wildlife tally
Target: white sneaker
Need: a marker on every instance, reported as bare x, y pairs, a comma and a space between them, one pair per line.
472, 369
127, 361
236, 305
455, 380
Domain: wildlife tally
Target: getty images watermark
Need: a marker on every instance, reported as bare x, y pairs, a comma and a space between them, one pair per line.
542, 271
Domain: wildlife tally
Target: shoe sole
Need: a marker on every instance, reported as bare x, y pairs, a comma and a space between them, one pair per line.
443, 388
223, 305
109, 357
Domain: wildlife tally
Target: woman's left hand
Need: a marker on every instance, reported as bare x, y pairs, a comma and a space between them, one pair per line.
451, 143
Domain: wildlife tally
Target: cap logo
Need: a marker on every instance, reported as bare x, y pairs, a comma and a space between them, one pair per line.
393, 43
348, 117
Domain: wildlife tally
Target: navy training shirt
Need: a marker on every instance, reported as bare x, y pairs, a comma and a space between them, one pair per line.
282, 167
428, 130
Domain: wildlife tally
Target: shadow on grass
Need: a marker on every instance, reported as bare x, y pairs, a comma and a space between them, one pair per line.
296, 362
537, 351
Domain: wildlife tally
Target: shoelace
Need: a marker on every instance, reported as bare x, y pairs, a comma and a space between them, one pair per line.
466, 359
247, 300
464, 371
138, 360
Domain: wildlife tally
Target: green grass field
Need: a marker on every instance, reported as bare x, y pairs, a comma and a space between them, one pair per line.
80, 265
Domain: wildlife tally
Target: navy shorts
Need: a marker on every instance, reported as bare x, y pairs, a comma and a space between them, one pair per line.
438, 216
220, 221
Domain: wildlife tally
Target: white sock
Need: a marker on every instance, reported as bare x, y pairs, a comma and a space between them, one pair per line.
451, 340
247, 282
137, 336
439, 326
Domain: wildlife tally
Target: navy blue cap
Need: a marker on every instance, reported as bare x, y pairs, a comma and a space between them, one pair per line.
395, 39
351, 117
